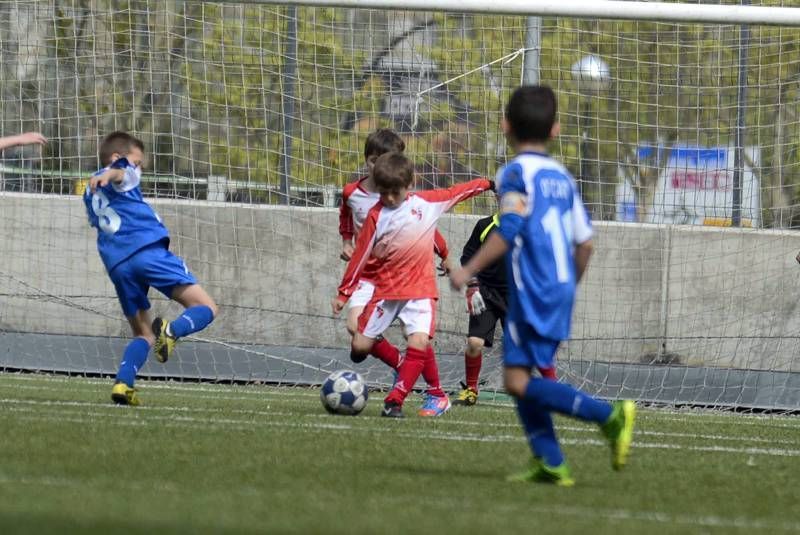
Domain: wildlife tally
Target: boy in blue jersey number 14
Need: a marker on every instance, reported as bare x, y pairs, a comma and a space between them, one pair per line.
545, 234
134, 246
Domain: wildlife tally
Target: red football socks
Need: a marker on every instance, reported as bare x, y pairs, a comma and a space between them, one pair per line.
384, 351
472, 365
430, 372
548, 373
408, 373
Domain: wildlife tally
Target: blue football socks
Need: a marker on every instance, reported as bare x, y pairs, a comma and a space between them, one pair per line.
562, 398
132, 361
538, 425
193, 319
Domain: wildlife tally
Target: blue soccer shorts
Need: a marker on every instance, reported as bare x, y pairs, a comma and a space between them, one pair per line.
152, 266
524, 347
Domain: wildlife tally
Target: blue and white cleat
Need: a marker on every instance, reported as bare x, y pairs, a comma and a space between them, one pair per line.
434, 406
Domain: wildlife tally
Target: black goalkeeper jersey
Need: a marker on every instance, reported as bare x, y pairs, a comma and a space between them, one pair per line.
493, 276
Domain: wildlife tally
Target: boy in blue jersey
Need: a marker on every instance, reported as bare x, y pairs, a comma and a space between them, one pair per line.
134, 246
545, 235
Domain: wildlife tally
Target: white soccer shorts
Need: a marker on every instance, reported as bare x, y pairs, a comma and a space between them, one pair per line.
362, 295
417, 315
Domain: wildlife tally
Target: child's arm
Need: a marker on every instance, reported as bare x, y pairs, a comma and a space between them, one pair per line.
364, 244
440, 245
581, 235
28, 138
447, 198
115, 173
443, 252
582, 253
513, 209
490, 252
346, 230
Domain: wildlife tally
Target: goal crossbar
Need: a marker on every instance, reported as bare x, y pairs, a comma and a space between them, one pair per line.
610, 9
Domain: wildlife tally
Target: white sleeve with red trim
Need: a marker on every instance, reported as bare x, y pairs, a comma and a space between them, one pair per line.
363, 250
444, 199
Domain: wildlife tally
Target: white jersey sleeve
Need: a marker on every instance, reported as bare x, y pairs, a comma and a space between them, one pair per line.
581, 224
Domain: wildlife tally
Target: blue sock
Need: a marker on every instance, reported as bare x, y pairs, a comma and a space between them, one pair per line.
565, 399
192, 320
132, 360
541, 435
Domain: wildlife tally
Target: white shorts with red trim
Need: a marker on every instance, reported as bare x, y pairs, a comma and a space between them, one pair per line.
362, 295
417, 315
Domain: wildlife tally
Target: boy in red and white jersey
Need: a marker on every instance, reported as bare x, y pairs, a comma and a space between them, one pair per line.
396, 239
357, 199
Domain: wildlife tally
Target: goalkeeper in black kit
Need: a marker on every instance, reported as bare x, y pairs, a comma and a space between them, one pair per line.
487, 301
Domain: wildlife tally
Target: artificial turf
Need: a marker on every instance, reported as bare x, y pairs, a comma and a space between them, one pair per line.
239, 459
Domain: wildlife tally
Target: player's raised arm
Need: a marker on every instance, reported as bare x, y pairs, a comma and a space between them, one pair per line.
115, 173
447, 198
28, 138
363, 249
513, 209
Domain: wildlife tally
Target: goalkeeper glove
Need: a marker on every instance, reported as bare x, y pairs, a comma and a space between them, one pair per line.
475, 303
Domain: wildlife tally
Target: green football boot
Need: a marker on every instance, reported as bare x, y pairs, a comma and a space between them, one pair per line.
619, 432
538, 472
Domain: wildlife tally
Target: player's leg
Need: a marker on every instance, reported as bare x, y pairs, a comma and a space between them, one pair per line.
381, 349
375, 318
170, 276
615, 421
132, 296
409, 371
419, 323
199, 311
548, 463
480, 334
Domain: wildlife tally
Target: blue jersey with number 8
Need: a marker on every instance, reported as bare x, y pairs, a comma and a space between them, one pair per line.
541, 255
125, 223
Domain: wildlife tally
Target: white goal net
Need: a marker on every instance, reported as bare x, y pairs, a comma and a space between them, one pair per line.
684, 138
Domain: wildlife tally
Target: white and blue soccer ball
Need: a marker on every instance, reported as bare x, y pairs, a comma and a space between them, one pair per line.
344, 392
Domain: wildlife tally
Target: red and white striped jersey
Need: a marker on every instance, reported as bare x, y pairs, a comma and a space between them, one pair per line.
397, 243
356, 204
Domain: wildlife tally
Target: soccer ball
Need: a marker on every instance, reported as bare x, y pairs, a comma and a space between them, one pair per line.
344, 392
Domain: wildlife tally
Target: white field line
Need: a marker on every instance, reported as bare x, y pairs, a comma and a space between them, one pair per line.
261, 392
246, 393
447, 421
190, 421
184, 393
706, 415
253, 390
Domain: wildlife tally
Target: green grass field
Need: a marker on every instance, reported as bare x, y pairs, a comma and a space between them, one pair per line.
203, 458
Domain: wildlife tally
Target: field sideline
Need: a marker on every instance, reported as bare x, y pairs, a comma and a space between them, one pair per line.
214, 458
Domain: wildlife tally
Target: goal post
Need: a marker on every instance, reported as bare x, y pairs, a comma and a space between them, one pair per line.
682, 130
772, 13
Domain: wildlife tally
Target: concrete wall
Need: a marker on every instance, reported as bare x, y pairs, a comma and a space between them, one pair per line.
705, 296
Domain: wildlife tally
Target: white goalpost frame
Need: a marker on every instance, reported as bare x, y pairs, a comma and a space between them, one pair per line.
587, 9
